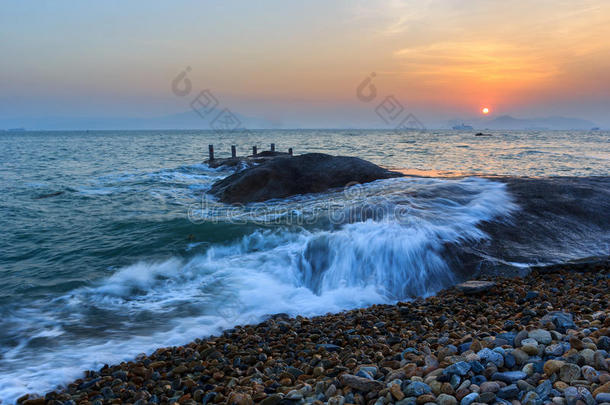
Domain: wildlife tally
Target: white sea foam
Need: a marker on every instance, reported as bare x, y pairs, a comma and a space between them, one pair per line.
293, 270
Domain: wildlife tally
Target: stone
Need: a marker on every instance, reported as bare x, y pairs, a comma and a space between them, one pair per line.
509, 392
238, 398
561, 320
541, 336
522, 334
294, 395
285, 176
554, 350
520, 356
425, 399
605, 388
396, 392
544, 389
459, 368
569, 372
509, 377
552, 366
589, 356
445, 399
416, 389
603, 397
530, 398
585, 395
360, 383
603, 343
571, 395
490, 386
590, 374
469, 399
487, 397
488, 355
475, 286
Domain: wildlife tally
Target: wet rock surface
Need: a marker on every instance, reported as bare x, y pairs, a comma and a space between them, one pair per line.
453, 348
285, 176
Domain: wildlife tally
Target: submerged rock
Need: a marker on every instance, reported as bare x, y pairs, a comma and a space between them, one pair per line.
285, 176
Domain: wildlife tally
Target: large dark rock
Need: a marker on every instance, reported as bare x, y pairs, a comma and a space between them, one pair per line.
285, 176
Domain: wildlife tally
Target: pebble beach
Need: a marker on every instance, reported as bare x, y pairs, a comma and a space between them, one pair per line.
540, 339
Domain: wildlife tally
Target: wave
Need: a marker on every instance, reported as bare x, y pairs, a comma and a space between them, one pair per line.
353, 258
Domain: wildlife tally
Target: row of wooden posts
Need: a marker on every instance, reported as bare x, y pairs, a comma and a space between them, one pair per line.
234, 151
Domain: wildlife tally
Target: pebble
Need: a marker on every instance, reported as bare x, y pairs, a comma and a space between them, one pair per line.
569, 372
449, 348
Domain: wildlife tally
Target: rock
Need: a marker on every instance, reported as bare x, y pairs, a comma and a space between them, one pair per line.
487, 397
425, 399
416, 389
238, 398
561, 320
34, 401
569, 372
603, 397
294, 395
396, 392
571, 395
590, 374
509, 377
273, 399
508, 392
554, 350
459, 368
520, 356
285, 176
541, 336
361, 384
445, 399
475, 286
530, 398
603, 343
488, 355
469, 399
544, 389
585, 395
602, 389
552, 366
329, 347
490, 386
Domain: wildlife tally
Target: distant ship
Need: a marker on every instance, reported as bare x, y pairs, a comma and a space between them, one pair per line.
463, 127
595, 129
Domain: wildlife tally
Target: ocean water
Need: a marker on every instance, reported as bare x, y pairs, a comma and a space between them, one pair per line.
109, 247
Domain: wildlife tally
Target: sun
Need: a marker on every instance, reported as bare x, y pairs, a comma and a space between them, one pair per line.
485, 110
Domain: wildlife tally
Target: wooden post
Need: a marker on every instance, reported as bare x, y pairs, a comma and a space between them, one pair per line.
272, 147
254, 150
233, 151
290, 151
211, 151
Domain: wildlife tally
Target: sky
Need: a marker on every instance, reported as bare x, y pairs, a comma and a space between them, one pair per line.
299, 64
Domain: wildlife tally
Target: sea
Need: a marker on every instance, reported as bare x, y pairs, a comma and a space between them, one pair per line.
110, 246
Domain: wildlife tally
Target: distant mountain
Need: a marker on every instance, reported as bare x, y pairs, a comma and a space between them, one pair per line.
508, 122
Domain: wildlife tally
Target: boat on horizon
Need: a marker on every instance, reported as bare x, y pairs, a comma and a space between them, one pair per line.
463, 127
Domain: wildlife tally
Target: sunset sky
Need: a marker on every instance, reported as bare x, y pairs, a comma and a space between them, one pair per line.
299, 64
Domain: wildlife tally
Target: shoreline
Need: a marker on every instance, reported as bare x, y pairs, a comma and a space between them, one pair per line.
508, 343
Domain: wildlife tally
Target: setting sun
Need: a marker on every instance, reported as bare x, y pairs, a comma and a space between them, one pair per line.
485, 110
